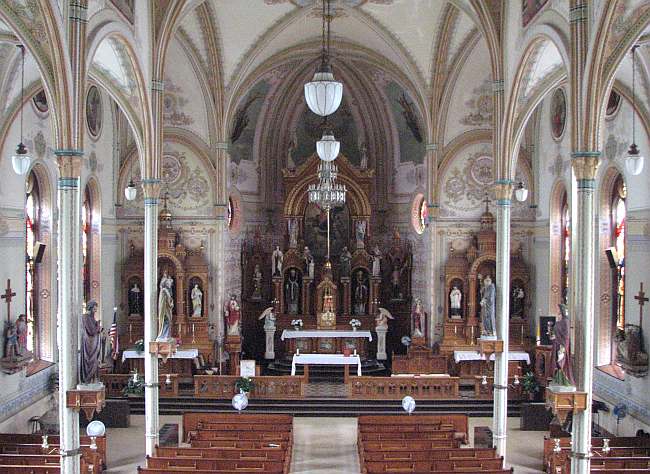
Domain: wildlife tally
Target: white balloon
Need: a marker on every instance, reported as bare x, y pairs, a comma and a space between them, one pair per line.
95, 428
408, 404
240, 401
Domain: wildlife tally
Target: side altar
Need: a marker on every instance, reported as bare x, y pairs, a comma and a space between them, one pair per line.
187, 272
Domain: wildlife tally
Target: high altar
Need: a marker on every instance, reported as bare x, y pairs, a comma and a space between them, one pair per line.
189, 271
300, 284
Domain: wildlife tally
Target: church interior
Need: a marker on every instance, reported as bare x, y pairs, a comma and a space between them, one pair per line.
324, 236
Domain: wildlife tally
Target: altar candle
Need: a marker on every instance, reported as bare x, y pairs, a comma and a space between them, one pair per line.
538, 332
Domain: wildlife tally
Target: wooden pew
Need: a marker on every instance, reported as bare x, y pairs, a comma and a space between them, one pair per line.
191, 420
91, 456
428, 455
458, 422
462, 465
12, 439
407, 445
241, 436
238, 444
216, 465
254, 454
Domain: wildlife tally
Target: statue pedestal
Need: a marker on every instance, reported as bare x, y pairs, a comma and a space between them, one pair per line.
269, 353
381, 342
233, 347
564, 400
89, 398
487, 347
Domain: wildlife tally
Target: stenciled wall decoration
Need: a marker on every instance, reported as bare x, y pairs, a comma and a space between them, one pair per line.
94, 111
558, 113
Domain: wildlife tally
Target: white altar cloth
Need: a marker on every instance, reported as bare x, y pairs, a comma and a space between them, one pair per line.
460, 356
325, 359
288, 334
179, 354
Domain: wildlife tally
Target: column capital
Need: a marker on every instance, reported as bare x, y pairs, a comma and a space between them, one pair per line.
498, 86
69, 163
222, 146
431, 147
585, 164
434, 210
578, 13
158, 85
151, 188
78, 11
503, 191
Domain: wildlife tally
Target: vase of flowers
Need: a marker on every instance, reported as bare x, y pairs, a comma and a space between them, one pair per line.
297, 324
355, 323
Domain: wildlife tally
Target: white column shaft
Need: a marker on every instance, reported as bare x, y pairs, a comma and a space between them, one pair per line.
584, 323
503, 322
68, 316
150, 323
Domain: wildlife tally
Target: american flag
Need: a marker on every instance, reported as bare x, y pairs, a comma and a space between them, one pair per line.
115, 340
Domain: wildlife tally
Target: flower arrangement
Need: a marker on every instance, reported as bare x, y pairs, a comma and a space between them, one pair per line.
355, 323
139, 345
406, 340
297, 324
245, 384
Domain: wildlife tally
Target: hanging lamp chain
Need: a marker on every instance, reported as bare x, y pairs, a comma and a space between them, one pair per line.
634, 93
22, 88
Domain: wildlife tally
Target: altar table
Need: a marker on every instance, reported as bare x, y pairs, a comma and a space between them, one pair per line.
325, 359
460, 356
179, 363
326, 341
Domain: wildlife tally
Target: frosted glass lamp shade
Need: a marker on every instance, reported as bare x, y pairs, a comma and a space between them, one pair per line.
328, 147
130, 192
634, 160
521, 193
323, 94
20, 160
95, 428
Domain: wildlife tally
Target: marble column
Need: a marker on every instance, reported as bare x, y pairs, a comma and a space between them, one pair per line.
69, 308
585, 165
151, 195
430, 239
219, 253
503, 190
270, 342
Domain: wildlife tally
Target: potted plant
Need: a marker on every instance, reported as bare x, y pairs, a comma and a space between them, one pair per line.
245, 385
529, 385
139, 346
297, 324
355, 323
134, 387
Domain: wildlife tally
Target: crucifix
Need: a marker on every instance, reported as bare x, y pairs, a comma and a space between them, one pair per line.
7, 296
487, 202
641, 298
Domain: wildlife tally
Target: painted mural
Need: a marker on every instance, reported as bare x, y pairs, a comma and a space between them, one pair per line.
308, 131
409, 124
242, 132
316, 230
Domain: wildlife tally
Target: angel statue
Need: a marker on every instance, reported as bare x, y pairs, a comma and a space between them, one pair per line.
269, 318
381, 320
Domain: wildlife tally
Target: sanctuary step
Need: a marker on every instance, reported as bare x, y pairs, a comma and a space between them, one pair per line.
324, 406
325, 373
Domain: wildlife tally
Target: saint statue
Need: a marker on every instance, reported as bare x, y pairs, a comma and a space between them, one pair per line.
488, 317
232, 314
197, 301
165, 308
90, 345
268, 315
292, 292
21, 332
418, 319
293, 144
276, 261
396, 278
376, 262
560, 336
517, 308
257, 283
455, 297
363, 150
346, 262
135, 299
11, 342
309, 262
360, 233
360, 294
292, 227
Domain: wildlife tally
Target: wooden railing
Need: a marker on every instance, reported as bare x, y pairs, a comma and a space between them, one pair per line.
223, 386
115, 384
486, 391
423, 388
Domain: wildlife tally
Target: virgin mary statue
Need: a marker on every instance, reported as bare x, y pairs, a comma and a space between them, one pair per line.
165, 307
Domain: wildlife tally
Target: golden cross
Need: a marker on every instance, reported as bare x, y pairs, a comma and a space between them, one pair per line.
7, 296
640, 297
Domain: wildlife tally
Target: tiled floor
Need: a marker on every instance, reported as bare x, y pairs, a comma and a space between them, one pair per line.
322, 445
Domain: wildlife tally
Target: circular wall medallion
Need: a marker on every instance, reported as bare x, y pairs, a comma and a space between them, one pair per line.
558, 113
419, 213
40, 102
613, 104
171, 169
94, 111
481, 170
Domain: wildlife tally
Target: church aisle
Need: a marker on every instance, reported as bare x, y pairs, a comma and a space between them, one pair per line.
325, 445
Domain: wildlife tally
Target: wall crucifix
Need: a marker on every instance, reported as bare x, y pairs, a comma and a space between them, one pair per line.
641, 298
8, 296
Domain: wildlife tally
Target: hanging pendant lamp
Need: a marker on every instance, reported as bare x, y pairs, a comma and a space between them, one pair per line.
130, 192
634, 160
324, 93
21, 160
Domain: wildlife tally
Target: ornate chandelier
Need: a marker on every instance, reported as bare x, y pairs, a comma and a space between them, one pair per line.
323, 94
327, 194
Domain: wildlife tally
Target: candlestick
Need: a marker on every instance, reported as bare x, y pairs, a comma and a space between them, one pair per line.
538, 339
